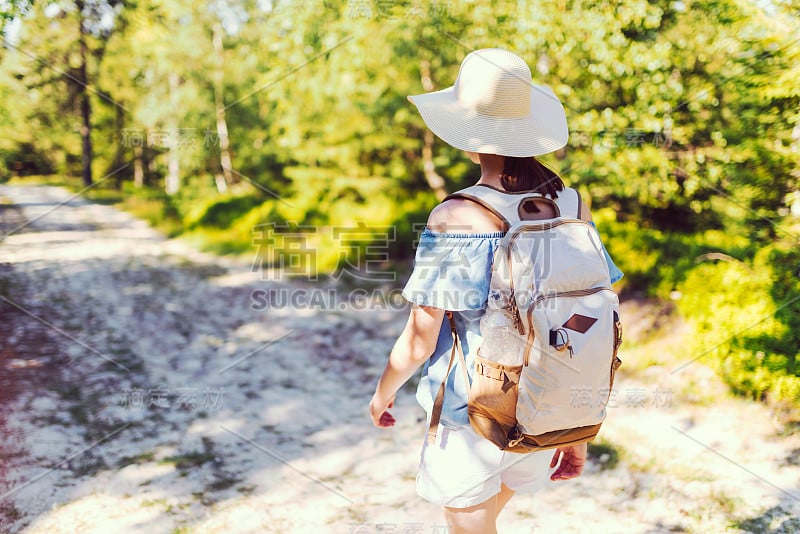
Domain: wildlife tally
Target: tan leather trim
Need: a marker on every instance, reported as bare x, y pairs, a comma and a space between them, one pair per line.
489, 372
557, 438
486, 424
438, 402
531, 338
575, 293
492, 369
483, 203
579, 323
523, 215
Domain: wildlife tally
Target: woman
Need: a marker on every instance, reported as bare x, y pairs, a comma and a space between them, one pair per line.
502, 121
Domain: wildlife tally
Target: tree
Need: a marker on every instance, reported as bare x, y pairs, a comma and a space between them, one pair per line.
64, 44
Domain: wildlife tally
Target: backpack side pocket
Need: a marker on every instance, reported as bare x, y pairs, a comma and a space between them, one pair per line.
493, 400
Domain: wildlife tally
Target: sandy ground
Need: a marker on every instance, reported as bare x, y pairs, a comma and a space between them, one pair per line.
142, 392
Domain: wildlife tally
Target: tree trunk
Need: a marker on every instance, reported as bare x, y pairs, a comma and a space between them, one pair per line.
119, 155
149, 165
138, 166
225, 159
173, 179
86, 112
435, 181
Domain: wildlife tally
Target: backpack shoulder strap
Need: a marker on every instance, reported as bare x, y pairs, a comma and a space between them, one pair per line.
569, 201
502, 204
506, 205
438, 402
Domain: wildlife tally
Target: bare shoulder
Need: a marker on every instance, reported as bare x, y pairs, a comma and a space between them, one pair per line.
462, 216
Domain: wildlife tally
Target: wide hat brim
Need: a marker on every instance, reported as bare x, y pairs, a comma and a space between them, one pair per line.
542, 131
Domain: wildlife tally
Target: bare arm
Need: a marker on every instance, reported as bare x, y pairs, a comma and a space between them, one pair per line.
418, 340
412, 348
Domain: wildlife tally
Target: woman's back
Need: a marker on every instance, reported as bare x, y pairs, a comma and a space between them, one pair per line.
501, 120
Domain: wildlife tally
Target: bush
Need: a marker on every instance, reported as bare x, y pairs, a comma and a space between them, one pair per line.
25, 159
746, 321
655, 261
221, 212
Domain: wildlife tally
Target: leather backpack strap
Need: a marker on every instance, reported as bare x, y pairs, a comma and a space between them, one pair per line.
438, 402
468, 195
580, 204
502, 204
508, 205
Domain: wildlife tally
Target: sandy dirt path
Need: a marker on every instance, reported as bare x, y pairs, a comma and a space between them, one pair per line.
142, 392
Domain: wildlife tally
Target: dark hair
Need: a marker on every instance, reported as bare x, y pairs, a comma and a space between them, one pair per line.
530, 174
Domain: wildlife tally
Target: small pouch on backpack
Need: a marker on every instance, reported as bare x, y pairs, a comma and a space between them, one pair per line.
493, 400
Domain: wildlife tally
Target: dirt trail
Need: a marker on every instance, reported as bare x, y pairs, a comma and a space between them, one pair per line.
149, 396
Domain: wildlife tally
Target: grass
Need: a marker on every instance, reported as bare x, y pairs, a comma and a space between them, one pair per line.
155, 502
789, 429
247, 490
136, 459
774, 520
79, 413
223, 481
604, 454
188, 460
10, 512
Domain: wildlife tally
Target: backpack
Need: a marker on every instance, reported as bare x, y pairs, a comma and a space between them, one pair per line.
545, 369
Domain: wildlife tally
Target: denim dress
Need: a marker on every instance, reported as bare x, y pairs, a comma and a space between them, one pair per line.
452, 272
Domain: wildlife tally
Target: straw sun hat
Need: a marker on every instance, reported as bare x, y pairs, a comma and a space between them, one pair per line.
495, 108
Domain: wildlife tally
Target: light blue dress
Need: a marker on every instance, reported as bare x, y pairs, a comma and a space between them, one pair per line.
452, 272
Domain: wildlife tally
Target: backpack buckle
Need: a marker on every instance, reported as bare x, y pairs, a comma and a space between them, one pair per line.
515, 436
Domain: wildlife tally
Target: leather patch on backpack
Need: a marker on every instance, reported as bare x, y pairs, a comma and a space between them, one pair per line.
579, 323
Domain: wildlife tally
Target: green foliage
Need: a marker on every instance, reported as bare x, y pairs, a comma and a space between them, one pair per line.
745, 319
221, 212
603, 453
24, 159
11, 9
656, 261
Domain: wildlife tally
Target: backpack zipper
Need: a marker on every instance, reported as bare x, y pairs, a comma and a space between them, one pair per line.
531, 337
541, 298
541, 227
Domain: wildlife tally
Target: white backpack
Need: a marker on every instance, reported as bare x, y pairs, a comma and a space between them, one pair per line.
545, 369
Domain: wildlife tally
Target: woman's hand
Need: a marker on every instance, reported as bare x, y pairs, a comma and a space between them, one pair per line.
377, 409
572, 461
411, 349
